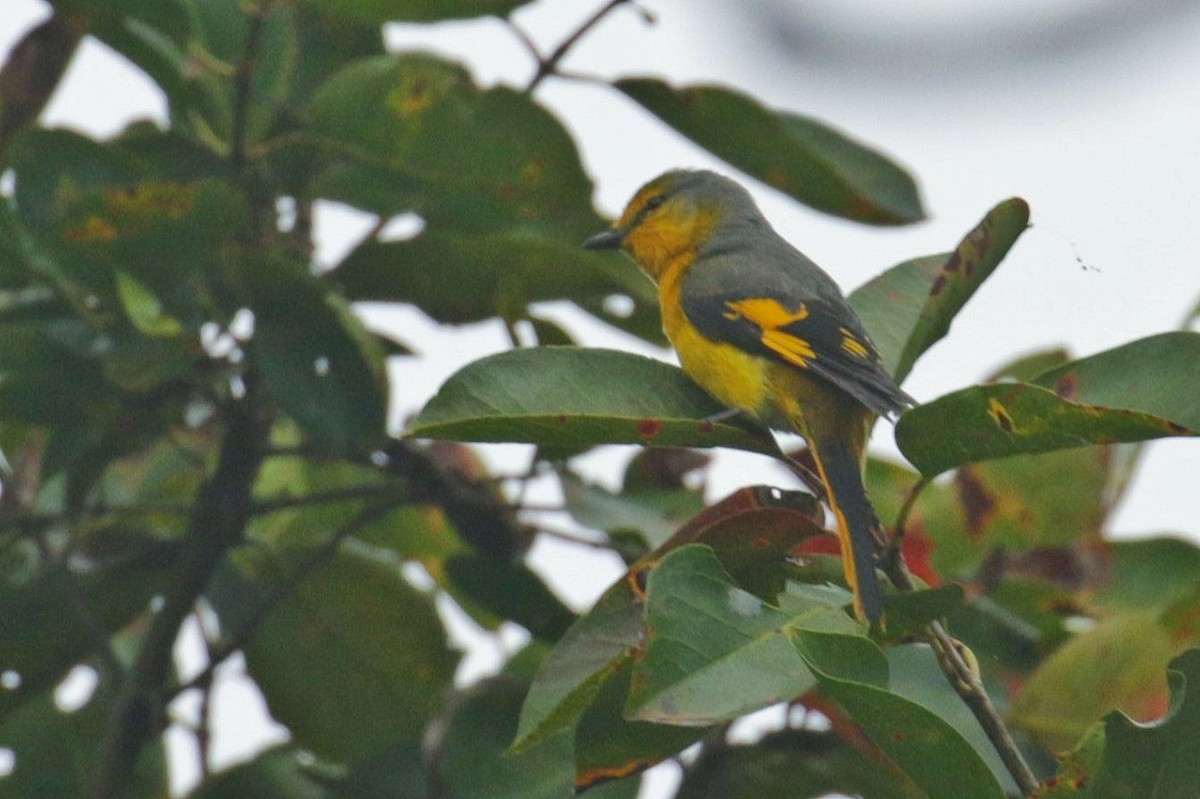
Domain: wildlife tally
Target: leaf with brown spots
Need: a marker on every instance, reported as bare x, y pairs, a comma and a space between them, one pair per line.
909, 308
578, 397
1136, 392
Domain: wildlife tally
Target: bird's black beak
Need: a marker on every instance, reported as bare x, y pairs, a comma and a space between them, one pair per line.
608, 240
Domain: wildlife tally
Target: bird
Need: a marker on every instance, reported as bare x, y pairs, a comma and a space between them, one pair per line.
766, 331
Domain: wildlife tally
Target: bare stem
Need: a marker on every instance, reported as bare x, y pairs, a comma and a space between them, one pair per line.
549, 65
965, 682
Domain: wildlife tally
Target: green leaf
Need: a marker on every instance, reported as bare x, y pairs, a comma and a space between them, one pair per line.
751, 532
916, 676
1027, 501
381, 11
654, 516
510, 591
1162, 755
417, 134
925, 748
586, 656
908, 612
1153, 375
572, 397
1117, 664
352, 661
1151, 573
909, 308
799, 156
319, 362
1135, 392
609, 746
144, 309
471, 754
713, 651
506, 270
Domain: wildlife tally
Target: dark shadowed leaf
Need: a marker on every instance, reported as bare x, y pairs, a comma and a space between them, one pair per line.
608, 746
278, 773
317, 359
55, 753
352, 661
41, 636
511, 591
380, 11
790, 764
909, 308
815, 164
472, 754
505, 270
574, 397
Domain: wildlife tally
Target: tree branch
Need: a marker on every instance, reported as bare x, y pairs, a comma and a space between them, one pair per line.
221, 511
222, 650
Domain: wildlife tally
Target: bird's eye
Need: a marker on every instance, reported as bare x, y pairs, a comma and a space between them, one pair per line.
655, 201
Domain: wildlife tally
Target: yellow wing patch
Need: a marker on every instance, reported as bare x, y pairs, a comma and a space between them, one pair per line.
852, 345
792, 349
770, 316
766, 313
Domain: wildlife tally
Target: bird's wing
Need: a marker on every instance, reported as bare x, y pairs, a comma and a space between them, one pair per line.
786, 323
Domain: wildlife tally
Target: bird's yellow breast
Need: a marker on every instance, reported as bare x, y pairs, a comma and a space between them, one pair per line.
732, 375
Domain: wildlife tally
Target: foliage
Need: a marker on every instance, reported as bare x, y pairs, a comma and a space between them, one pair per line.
193, 423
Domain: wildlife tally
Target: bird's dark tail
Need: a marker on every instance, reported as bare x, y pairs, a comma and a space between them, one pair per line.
839, 468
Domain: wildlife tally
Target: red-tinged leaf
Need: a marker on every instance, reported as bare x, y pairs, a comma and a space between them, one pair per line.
1118, 664
1122, 759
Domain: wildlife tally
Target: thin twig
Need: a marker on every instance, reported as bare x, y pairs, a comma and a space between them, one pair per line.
242, 85
574, 538
966, 684
900, 528
549, 65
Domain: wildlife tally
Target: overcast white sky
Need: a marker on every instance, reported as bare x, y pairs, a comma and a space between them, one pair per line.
1087, 108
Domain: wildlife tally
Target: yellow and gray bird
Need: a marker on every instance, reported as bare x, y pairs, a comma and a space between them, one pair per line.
766, 331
